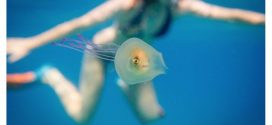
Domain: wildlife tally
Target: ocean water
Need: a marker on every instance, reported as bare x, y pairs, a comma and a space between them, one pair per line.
215, 70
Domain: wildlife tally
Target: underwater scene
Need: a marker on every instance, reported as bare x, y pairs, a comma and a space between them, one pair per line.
144, 65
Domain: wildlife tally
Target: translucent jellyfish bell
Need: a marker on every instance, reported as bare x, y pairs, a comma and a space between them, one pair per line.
137, 62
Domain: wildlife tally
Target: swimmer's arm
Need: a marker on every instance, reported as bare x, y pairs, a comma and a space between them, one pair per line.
212, 11
97, 15
18, 48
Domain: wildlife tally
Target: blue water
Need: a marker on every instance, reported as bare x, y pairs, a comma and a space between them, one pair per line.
215, 75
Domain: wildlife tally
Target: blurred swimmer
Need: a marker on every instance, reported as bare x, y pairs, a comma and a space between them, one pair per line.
146, 19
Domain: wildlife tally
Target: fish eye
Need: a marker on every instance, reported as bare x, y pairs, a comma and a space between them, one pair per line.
135, 60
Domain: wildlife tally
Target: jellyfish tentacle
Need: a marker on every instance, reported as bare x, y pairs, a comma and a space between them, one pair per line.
104, 46
69, 40
101, 50
82, 38
69, 47
108, 59
105, 51
111, 46
95, 45
99, 54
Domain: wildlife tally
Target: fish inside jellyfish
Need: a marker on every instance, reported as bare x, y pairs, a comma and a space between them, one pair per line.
135, 61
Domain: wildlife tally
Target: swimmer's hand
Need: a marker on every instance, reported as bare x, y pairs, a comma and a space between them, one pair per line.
17, 48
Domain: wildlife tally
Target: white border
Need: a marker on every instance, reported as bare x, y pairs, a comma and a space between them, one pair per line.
268, 61
3, 63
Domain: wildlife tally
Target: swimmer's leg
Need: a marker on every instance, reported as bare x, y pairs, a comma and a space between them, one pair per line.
92, 76
92, 79
78, 104
143, 99
81, 104
67, 92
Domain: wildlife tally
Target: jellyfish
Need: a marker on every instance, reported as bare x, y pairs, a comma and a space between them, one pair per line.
135, 61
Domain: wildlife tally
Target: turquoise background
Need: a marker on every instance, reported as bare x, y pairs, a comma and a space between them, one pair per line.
215, 75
